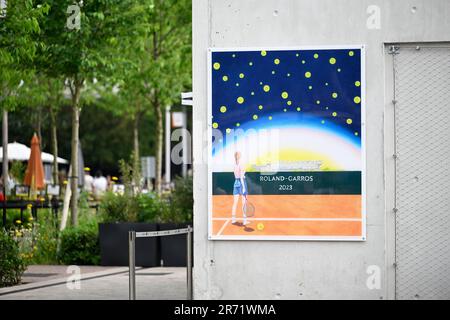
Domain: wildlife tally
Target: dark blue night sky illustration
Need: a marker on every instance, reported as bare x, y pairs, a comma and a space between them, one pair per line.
322, 87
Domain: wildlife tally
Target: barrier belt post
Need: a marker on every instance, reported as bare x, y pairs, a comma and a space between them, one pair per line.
132, 264
189, 263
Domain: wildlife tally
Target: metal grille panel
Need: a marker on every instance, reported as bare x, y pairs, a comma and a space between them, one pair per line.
422, 129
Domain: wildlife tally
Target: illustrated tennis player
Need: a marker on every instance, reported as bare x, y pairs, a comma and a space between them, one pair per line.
239, 189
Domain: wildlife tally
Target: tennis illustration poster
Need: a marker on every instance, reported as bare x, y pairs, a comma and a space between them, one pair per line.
286, 144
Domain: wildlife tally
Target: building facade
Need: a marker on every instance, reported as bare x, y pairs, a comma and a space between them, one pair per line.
407, 110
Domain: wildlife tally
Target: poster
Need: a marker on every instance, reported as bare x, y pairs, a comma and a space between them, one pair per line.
286, 151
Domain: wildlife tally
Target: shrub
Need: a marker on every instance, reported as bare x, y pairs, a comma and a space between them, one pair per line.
46, 240
119, 208
176, 207
80, 245
181, 201
151, 208
17, 171
12, 265
13, 218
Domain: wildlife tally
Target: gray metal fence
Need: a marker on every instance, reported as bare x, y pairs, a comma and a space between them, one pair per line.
422, 178
132, 235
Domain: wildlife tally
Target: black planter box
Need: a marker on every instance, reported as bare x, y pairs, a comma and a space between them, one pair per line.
114, 244
173, 248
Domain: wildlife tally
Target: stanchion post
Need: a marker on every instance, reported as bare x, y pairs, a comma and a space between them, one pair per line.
189, 263
132, 264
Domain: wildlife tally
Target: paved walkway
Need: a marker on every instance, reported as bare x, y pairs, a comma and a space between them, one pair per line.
98, 283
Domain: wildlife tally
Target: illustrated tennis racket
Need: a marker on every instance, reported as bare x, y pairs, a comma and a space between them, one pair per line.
249, 208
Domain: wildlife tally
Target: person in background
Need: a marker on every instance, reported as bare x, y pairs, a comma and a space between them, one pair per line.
110, 183
88, 180
10, 186
100, 185
62, 176
2, 196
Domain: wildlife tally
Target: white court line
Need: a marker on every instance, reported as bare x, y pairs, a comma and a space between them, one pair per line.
223, 227
297, 219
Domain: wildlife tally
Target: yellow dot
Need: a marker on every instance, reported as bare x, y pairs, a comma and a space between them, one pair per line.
270, 117
260, 107
316, 55
223, 109
357, 83
228, 130
240, 100
255, 117
263, 53
349, 121
308, 74
238, 124
266, 88
284, 95
332, 60
276, 61
303, 61
225, 78
216, 66
260, 226
351, 53
318, 101
334, 95
241, 75
334, 114
299, 109
357, 99
215, 125
289, 102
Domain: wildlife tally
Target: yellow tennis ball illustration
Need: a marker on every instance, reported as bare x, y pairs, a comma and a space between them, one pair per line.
260, 226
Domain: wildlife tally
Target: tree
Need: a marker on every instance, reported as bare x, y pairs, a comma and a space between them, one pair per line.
84, 45
56, 95
161, 70
164, 67
42, 96
125, 100
19, 26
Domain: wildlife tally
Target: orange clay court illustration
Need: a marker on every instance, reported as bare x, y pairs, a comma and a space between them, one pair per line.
291, 215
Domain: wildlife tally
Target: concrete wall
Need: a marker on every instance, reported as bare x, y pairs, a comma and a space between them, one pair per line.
306, 270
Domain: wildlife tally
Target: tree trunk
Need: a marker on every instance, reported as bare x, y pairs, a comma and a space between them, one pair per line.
54, 137
5, 162
74, 145
159, 145
136, 153
39, 126
5, 152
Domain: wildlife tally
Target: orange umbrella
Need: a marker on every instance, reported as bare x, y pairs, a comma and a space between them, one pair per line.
34, 176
